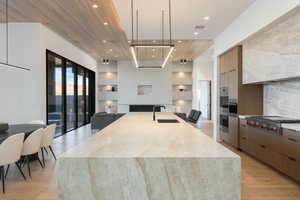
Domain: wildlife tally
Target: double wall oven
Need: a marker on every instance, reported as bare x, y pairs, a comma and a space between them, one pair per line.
224, 112
228, 107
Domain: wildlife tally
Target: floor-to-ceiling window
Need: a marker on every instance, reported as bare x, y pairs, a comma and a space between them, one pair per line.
87, 96
69, 87
55, 91
70, 95
81, 96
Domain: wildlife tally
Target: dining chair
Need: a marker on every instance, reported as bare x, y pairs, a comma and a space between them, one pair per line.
10, 152
191, 115
32, 146
47, 140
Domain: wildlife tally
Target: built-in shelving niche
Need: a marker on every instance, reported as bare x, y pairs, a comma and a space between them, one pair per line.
182, 78
182, 92
108, 87
182, 84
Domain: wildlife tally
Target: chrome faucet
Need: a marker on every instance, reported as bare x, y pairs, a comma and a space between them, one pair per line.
154, 108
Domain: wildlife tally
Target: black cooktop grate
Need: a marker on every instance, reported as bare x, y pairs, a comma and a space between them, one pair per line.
274, 119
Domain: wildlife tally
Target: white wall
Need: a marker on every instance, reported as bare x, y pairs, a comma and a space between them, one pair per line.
23, 94
202, 71
129, 77
21, 91
52, 41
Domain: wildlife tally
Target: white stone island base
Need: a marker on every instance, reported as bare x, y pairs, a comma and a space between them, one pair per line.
149, 179
136, 158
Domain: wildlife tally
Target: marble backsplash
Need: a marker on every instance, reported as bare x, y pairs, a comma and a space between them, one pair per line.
282, 98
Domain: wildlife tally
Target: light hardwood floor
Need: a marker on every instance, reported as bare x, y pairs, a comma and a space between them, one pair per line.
259, 182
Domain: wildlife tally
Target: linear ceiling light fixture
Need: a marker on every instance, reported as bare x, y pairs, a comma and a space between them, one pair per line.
136, 45
6, 63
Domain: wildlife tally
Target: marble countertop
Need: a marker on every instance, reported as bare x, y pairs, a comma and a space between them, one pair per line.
137, 135
295, 127
245, 116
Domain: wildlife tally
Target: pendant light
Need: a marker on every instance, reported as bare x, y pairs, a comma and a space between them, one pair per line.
6, 63
136, 45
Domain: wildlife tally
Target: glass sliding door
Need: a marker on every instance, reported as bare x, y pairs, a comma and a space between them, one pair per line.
70, 96
55, 97
80, 96
87, 96
70, 93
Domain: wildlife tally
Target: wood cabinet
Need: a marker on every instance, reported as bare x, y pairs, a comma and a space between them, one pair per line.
291, 143
244, 136
249, 98
233, 130
279, 151
233, 84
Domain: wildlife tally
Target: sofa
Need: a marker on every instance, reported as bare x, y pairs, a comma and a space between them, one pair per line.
102, 119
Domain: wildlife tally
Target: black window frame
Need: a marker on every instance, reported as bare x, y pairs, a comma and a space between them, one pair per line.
91, 89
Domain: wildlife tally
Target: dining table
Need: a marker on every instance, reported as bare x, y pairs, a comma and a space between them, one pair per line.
14, 129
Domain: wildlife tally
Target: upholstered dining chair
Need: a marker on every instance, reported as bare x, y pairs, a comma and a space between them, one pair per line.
47, 140
10, 152
32, 146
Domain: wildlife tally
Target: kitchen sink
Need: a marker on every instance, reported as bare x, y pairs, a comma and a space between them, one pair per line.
168, 121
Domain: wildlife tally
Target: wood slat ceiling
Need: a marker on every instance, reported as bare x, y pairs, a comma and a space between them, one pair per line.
82, 25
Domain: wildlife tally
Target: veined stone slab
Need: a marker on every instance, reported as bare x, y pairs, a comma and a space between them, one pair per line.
273, 54
136, 158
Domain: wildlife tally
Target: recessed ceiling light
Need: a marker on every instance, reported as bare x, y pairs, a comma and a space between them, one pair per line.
104, 41
110, 50
105, 23
206, 18
179, 41
95, 6
196, 33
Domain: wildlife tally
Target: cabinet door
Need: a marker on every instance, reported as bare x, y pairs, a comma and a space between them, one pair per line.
291, 143
226, 79
243, 143
233, 84
222, 64
291, 167
233, 131
222, 80
230, 84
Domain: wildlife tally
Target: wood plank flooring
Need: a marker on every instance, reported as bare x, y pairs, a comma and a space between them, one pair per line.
259, 182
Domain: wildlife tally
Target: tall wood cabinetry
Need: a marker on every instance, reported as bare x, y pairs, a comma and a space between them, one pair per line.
235, 98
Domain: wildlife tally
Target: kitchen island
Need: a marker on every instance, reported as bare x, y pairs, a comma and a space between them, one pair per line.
136, 158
